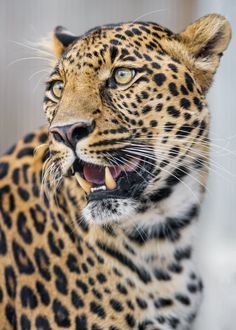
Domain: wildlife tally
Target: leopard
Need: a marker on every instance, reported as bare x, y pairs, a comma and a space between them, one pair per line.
99, 209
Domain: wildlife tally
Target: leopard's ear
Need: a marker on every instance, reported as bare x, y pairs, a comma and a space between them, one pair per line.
62, 38
205, 41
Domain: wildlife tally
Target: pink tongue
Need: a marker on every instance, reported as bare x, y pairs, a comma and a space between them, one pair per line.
96, 173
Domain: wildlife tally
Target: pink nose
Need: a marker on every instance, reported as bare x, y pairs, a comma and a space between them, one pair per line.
71, 134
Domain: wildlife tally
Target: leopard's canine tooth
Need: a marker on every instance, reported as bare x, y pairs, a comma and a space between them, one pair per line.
72, 170
109, 181
85, 185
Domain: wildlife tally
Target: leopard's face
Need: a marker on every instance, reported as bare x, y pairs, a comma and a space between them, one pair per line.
126, 109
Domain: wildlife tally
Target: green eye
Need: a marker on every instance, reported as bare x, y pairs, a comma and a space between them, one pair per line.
57, 89
123, 76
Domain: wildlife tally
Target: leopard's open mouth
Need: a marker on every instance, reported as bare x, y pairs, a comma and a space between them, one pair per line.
101, 182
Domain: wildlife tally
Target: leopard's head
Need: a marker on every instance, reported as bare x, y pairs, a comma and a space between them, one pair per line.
127, 111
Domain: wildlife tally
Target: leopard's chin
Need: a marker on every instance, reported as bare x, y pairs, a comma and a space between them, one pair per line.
108, 211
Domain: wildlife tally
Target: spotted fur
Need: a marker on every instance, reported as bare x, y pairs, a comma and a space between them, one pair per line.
113, 263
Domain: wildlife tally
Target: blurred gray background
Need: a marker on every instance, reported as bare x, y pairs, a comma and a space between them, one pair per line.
22, 76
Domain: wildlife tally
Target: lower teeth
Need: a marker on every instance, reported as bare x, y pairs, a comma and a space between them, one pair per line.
98, 188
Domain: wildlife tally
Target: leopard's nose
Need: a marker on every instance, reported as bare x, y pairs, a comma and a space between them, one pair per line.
71, 134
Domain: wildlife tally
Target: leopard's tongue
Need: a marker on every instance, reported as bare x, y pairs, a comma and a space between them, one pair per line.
96, 174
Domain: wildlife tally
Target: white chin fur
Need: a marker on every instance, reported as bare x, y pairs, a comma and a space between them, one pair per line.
108, 211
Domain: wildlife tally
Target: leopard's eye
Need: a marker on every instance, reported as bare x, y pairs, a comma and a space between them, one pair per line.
123, 76
57, 89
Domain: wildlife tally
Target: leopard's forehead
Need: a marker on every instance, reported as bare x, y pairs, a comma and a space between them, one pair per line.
138, 39
132, 29
126, 32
